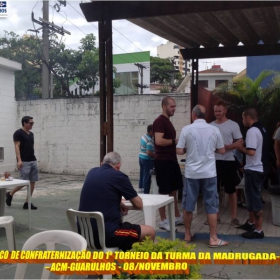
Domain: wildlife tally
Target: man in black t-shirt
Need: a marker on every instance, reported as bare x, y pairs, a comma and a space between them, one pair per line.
102, 191
26, 160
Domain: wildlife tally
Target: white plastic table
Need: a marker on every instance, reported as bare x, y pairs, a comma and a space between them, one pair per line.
150, 205
10, 185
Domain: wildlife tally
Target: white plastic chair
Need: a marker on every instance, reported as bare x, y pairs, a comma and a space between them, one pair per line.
83, 219
50, 238
7, 222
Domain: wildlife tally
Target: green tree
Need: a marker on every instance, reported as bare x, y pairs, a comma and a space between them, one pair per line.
248, 93
63, 65
160, 70
88, 66
23, 50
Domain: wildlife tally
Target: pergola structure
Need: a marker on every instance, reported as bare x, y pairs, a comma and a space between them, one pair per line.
206, 29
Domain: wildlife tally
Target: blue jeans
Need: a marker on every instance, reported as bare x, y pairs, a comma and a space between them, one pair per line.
145, 178
208, 187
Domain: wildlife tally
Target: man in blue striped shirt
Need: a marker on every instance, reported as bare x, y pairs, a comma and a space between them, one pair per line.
146, 159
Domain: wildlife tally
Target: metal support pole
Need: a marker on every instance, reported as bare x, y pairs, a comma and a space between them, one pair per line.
141, 74
110, 91
102, 77
45, 55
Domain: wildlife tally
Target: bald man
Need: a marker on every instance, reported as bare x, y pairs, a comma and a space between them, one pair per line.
168, 172
200, 141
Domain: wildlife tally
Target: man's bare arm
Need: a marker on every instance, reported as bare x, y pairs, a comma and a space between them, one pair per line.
246, 151
236, 144
220, 151
137, 202
277, 152
17, 150
160, 141
150, 154
180, 151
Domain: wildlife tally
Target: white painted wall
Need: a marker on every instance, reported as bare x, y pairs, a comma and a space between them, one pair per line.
67, 130
212, 77
8, 112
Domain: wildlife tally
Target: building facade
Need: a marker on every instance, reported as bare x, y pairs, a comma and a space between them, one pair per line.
8, 113
133, 71
209, 79
172, 52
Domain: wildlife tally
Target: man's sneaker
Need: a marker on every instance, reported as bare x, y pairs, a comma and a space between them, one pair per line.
164, 225
253, 234
234, 222
179, 221
247, 226
25, 206
9, 199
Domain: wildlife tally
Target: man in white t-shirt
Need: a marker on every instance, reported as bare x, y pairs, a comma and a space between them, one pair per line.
200, 141
227, 173
277, 152
256, 167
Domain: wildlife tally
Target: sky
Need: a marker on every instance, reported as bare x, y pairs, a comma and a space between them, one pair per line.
127, 37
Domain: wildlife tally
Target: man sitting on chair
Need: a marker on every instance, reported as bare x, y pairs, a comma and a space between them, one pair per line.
102, 191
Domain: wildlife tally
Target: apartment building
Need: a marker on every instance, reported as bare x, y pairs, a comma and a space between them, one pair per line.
171, 51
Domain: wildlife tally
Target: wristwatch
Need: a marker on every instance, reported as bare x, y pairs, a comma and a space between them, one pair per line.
173, 141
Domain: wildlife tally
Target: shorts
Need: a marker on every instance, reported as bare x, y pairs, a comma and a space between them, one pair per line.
126, 235
227, 175
168, 176
29, 171
253, 186
208, 187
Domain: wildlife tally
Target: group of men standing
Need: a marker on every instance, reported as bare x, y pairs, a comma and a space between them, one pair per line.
210, 162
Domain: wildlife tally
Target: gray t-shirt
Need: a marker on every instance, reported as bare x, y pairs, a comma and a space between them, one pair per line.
230, 131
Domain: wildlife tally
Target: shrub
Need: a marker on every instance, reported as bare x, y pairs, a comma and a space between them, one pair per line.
164, 245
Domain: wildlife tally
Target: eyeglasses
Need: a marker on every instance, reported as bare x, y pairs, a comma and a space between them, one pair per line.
31, 123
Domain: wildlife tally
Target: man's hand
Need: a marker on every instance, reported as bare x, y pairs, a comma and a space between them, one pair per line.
19, 164
124, 209
235, 145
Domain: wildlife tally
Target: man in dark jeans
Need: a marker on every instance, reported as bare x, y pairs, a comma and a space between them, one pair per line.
257, 159
146, 159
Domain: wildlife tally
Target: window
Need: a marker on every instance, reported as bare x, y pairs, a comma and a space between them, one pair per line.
2, 154
175, 47
219, 82
203, 83
128, 83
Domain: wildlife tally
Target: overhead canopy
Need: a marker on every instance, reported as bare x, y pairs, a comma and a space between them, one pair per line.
192, 24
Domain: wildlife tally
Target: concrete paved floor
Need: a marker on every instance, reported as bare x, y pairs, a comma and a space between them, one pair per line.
54, 194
